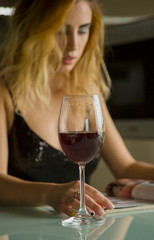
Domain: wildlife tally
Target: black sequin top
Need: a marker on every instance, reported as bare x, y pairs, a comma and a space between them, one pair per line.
31, 158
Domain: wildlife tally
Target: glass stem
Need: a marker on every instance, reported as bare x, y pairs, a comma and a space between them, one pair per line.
82, 209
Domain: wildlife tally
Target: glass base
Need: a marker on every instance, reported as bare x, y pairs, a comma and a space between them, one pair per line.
82, 220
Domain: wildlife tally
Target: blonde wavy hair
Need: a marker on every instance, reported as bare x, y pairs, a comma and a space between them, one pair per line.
30, 55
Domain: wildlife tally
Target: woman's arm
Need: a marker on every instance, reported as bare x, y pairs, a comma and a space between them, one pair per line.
117, 156
15, 191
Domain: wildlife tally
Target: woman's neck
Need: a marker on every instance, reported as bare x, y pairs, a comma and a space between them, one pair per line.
60, 83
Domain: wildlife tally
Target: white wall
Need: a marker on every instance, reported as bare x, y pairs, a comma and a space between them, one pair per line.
101, 177
141, 149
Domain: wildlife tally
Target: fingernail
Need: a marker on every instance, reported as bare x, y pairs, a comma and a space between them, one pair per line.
92, 214
111, 206
101, 212
73, 214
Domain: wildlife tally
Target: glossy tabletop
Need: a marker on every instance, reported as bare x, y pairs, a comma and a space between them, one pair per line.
25, 223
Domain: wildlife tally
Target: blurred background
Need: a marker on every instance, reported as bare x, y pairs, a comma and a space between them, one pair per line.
129, 56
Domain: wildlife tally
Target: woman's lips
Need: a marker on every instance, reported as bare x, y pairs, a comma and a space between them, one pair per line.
68, 60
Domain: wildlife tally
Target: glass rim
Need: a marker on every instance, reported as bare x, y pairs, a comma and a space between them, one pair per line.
81, 95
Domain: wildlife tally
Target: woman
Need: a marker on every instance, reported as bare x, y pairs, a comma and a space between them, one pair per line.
53, 49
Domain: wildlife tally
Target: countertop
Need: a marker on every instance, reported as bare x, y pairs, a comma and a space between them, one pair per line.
43, 223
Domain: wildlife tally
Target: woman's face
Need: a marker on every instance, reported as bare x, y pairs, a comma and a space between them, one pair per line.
77, 32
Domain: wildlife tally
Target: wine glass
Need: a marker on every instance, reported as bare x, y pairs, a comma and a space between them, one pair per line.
81, 131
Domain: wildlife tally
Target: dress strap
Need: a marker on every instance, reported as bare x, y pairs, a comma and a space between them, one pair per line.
13, 100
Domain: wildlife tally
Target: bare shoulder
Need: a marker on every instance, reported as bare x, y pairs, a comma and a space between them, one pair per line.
6, 106
4, 94
3, 89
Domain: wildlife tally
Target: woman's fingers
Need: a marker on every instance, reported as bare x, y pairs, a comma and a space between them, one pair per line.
67, 199
94, 206
68, 210
98, 197
72, 210
91, 205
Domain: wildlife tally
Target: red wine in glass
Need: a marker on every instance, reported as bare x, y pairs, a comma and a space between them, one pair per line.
81, 147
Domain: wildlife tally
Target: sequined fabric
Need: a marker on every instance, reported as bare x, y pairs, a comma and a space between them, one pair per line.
31, 158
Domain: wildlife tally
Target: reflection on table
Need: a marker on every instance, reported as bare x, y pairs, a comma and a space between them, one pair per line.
44, 224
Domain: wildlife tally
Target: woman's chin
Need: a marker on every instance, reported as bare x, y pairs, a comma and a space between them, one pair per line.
66, 68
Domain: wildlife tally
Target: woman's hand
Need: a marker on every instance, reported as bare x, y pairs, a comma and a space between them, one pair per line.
64, 199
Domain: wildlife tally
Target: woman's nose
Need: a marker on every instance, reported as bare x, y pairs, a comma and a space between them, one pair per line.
72, 41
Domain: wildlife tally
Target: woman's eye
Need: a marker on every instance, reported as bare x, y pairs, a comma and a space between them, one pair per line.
83, 30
